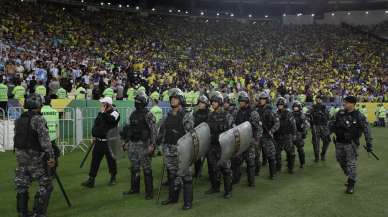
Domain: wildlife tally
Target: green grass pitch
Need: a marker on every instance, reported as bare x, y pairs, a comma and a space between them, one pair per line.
315, 191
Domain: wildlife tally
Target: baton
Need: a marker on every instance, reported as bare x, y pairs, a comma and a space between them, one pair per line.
62, 189
86, 155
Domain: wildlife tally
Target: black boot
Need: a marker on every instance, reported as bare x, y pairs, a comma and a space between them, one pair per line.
215, 183
187, 195
135, 183
236, 175
227, 186
149, 185
302, 160
316, 160
251, 176
198, 168
173, 192
272, 168
22, 204
278, 165
265, 159
89, 183
257, 166
350, 187
325, 146
112, 180
290, 163
41, 204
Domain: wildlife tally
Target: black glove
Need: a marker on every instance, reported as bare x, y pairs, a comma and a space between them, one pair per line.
369, 147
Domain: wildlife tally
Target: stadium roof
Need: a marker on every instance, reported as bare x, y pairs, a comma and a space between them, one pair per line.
254, 7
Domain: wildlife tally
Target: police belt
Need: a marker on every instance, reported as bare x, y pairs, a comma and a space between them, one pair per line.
101, 140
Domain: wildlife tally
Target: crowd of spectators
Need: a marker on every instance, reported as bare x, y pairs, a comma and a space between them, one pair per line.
71, 47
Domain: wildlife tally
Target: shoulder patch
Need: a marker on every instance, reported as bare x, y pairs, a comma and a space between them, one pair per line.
115, 114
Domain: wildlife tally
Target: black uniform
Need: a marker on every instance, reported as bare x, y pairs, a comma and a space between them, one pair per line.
218, 124
103, 123
242, 115
319, 118
301, 127
348, 128
284, 136
201, 115
270, 124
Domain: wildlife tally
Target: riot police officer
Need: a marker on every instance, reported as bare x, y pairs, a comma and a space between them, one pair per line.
218, 124
301, 127
32, 141
245, 113
229, 108
140, 135
319, 119
200, 115
284, 135
176, 124
270, 123
348, 125
106, 120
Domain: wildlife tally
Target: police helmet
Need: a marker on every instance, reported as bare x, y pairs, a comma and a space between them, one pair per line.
281, 101
177, 93
203, 99
141, 98
217, 97
33, 101
243, 97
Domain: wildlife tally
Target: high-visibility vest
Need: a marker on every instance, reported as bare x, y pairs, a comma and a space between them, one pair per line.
19, 92
155, 95
166, 96
61, 93
52, 118
80, 93
157, 112
41, 90
382, 112
131, 94
108, 92
364, 111
3, 93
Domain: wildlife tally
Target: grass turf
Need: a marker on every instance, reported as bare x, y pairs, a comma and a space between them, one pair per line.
315, 191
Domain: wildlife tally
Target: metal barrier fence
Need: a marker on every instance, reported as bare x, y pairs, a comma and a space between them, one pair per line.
74, 128
3, 129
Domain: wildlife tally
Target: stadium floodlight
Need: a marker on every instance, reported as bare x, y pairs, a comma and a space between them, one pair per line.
218, 14
266, 16
109, 3
202, 13
82, 1
206, 21
366, 12
137, 7
250, 15
127, 6
284, 15
153, 9
313, 15
102, 3
332, 14
21, 0
300, 14
120, 6
386, 12
186, 12
349, 13
179, 11
232, 15
170, 11
63, 8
